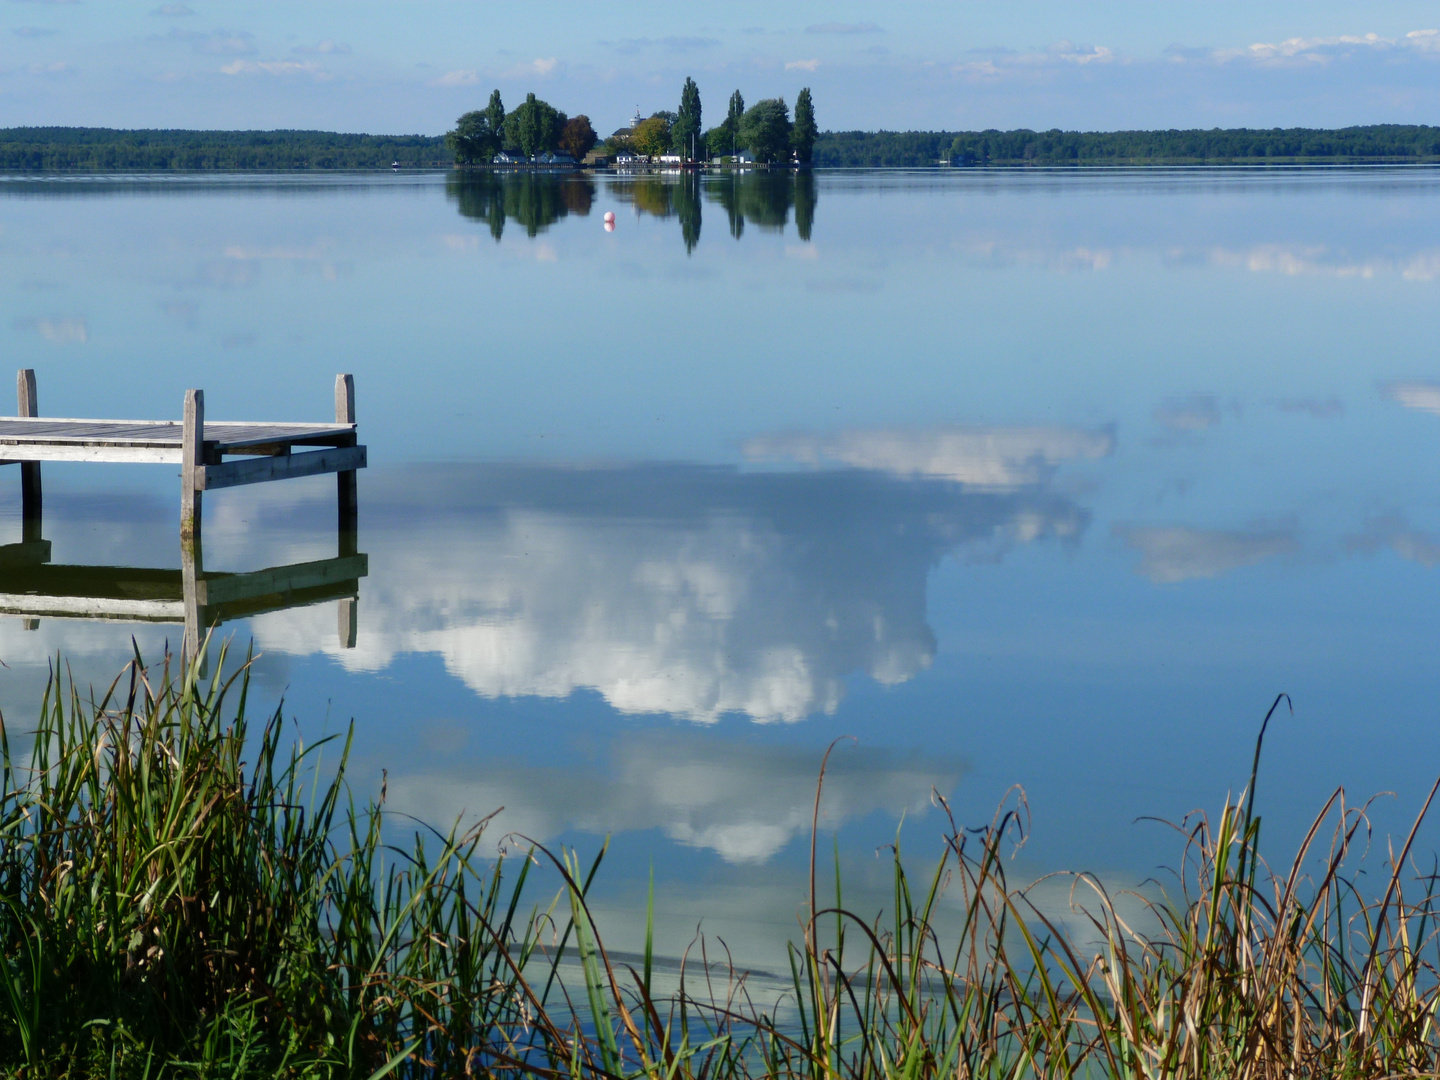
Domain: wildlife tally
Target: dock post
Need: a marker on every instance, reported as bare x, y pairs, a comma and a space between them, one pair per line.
345, 480
348, 506
347, 622
30, 499
192, 568
192, 457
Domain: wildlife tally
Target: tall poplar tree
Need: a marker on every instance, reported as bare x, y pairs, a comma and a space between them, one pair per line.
495, 114
685, 132
732, 121
804, 131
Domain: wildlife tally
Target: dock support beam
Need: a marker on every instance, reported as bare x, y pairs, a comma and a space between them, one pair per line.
30, 499
192, 457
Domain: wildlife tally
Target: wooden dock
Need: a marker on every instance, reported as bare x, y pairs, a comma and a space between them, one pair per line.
210, 456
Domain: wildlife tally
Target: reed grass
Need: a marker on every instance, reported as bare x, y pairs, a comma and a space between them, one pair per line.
181, 896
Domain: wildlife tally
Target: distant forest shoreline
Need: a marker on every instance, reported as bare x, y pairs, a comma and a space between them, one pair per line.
61, 149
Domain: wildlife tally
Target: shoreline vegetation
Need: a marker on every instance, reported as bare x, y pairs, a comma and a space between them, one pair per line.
107, 150
182, 896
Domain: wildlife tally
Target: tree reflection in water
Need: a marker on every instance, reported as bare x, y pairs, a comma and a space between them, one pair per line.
536, 200
764, 199
664, 196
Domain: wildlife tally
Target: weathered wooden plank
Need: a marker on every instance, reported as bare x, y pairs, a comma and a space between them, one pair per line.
153, 455
289, 425
23, 431
92, 607
332, 434
259, 470
230, 588
116, 582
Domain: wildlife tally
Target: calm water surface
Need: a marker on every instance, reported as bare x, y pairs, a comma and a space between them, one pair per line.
1050, 479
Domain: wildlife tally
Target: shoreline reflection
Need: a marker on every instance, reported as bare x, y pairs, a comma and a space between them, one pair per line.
536, 199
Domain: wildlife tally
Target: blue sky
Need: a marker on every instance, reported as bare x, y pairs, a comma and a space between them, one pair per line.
388, 66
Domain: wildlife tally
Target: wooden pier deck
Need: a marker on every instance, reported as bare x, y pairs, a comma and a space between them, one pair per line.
211, 456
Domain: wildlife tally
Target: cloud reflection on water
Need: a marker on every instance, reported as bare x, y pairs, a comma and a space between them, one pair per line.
1173, 553
984, 457
691, 591
744, 801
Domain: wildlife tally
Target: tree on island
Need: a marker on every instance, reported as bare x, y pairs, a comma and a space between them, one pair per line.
577, 137
534, 127
652, 136
685, 133
804, 133
724, 137
472, 140
478, 134
765, 130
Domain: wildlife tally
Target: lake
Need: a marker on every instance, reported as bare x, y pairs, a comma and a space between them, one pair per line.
1045, 478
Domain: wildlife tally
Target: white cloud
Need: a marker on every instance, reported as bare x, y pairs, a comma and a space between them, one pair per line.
1317, 51
66, 330
328, 47
544, 67
457, 78
275, 67
995, 64
802, 65
1414, 394
987, 457
1175, 553
54, 67
1072, 54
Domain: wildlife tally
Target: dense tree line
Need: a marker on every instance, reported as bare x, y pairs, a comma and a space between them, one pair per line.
1376, 142
69, 149
767, 129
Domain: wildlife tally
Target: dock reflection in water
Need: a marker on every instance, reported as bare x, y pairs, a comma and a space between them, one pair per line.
32, 588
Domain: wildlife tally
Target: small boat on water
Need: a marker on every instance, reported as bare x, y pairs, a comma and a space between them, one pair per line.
395, 165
